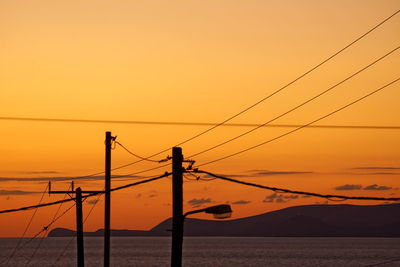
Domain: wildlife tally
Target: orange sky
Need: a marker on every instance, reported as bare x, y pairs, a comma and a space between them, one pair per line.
199, 61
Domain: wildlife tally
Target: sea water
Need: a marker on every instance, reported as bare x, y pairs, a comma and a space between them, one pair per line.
207, 251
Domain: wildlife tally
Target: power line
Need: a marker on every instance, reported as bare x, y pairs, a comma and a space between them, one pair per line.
26, 229
46, 228
215, 125
89, 195
283, 190
290, 83
181, 123
140, 157
72, 239
300, 105
303, 126
270, 95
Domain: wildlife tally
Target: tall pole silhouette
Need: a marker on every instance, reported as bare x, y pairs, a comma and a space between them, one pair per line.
177, 207
107, 200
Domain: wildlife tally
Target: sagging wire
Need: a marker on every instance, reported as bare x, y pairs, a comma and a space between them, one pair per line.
140, 157
283, 190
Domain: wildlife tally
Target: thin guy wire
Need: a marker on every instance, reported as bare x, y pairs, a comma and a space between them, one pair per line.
26, 229
298, 106
283, 190
89, 195
72, 239
36, 249
301, 127
46, 228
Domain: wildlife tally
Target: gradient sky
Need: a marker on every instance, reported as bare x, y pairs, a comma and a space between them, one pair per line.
193, 61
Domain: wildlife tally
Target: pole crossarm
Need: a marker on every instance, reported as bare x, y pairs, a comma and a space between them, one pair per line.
89, 195
283, 190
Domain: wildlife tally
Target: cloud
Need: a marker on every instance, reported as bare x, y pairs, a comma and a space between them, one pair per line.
60, 178
227, 175
198, 202
377, 187
16, 192
270, 173
92, 201
39, 172
349, 187
326, 202
375, 168
241, 202
279, 198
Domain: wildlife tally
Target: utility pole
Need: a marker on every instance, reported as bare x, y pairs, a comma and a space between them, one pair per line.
79, 220
107, 200
79, 228
177, 207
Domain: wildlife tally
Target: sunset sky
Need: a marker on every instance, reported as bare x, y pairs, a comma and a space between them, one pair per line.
194, 61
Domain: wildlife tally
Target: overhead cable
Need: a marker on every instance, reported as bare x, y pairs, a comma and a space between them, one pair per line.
182, 123
140, 157
89, 195
235, 115
298, 106
303, 126
283, 190
270, 95
283, 87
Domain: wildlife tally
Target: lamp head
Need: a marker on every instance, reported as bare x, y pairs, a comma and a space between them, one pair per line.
220, 211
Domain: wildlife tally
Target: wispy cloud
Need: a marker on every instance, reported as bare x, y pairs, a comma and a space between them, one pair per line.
38, 172
227, 175
348, 187
197, 202
92, 201
375, 168
270, 173
16, 192
241, 202
377, 187
360, 187
59, 178
279, 198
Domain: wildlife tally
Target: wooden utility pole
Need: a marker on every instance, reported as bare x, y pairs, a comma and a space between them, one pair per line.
79, 228
79, 220
177, 207
107, 200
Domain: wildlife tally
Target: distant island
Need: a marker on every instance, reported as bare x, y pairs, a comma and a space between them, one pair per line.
299, 221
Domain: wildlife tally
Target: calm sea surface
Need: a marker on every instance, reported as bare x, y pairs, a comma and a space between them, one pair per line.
210, 251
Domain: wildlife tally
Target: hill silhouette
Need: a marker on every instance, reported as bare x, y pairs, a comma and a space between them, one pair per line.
299, 221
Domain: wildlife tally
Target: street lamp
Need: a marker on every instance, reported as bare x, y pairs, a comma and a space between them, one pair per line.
219, 211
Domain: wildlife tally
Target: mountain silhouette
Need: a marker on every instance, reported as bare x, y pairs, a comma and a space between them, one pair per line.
299, 221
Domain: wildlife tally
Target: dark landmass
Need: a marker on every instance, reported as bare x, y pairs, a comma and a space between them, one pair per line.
298, 221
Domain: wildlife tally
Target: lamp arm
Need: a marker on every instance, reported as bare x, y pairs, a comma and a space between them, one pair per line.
192, 212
